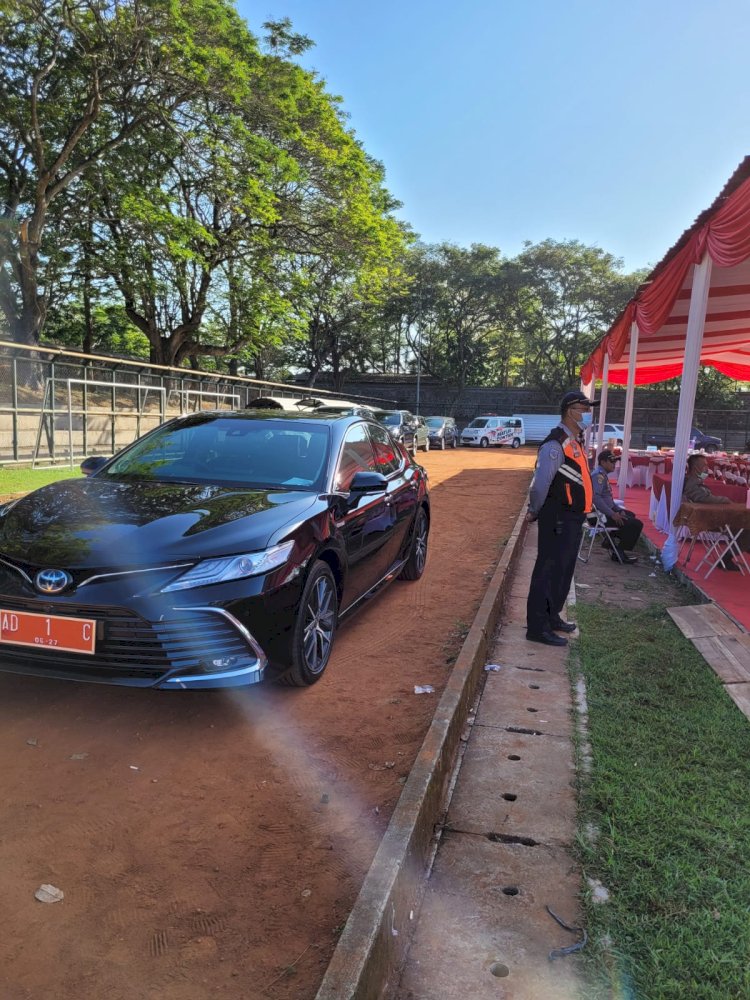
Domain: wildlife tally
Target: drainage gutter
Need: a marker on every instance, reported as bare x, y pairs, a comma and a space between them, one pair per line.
373, 945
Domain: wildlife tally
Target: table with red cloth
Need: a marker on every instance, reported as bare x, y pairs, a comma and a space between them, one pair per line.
697, 517
737, 494
653, 458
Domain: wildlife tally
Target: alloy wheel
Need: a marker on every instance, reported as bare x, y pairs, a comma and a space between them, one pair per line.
319, 625
420, 544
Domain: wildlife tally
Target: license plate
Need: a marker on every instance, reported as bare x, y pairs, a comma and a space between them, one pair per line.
73, 635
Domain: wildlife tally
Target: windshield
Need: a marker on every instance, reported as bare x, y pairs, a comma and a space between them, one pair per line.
232, 452
435, 421
479, 422
391, 419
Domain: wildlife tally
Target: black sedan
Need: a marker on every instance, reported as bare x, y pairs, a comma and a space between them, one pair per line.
213, 548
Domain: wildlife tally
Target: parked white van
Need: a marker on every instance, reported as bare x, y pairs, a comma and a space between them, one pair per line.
494, 430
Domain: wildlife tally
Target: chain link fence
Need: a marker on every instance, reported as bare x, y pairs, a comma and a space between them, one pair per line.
58, 407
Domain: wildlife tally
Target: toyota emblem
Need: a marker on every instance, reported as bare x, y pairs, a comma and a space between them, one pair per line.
52, 581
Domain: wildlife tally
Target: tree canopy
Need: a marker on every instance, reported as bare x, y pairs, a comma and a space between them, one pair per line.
173, 183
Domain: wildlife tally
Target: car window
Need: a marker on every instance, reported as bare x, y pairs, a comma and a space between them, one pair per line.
437, 422
388, 457
225, 450
391, 419
479, 422
357, 455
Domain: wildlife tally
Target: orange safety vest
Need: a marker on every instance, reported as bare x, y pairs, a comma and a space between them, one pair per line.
571, 488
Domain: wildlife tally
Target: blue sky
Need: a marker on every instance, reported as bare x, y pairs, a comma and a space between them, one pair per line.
497, 122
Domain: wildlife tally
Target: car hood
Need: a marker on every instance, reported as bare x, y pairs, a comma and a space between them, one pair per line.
103, 522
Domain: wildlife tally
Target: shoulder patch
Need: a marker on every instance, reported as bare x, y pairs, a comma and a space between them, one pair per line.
599, 477
554, 453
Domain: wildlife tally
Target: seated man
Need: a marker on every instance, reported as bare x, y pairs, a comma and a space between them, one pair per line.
628, 526
696, 492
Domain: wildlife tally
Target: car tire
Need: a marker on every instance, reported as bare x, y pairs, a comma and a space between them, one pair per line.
427, 445
484, 443
314, 628
516, 442
414, 448
442, 444
417, 559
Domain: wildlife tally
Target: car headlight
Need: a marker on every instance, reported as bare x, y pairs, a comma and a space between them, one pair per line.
8, 505
232, 568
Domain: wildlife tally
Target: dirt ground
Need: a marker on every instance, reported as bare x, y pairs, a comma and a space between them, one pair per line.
211, 844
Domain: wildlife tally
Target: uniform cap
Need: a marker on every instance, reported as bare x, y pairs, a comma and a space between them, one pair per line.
571, 398
607, 456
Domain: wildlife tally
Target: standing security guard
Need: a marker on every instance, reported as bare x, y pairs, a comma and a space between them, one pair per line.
560, 496
629, 527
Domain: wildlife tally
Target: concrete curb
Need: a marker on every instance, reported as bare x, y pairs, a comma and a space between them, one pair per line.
373, 945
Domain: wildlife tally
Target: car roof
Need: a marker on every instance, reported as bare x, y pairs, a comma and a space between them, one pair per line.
270, 415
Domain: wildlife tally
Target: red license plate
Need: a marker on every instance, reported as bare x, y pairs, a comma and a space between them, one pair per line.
74, 635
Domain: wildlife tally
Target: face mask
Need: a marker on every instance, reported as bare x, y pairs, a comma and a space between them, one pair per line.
583, 421
702, 475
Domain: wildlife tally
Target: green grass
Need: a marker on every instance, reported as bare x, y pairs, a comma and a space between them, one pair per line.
22, 480
668, 794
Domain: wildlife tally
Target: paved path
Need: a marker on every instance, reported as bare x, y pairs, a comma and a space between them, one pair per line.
483, 929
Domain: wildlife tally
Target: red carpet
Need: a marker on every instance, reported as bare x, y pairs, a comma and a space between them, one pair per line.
731, 591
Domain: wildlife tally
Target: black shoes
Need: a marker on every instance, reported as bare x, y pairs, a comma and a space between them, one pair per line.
729, 564
547, 638
626, 557
561, 626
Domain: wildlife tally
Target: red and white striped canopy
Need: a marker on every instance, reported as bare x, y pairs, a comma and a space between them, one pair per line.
660, 306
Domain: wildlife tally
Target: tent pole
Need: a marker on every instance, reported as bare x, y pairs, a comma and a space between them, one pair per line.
690, 365
603, 406
624, 458
589, 390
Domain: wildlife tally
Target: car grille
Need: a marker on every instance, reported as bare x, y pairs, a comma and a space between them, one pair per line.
132, 647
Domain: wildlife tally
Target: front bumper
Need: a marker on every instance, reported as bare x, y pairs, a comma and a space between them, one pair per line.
187, 647
223, 635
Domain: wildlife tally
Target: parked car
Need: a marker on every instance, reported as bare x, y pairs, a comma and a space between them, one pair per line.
493, 430
408, 430
614, 432
310, 404
443, 432
698, 440
216, 545
422, 434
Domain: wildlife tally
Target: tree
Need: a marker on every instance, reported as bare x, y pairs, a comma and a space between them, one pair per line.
78, 80
568, 295
454, 318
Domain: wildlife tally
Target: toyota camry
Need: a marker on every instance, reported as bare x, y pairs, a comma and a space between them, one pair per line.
217, 548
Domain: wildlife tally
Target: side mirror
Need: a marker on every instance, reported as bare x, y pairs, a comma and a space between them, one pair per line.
92, 464
368, 482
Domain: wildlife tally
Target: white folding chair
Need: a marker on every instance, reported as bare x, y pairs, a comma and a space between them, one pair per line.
597, 529
726, 544
684, 537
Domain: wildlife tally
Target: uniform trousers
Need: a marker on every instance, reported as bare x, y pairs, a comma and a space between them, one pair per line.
629, 532
559, 540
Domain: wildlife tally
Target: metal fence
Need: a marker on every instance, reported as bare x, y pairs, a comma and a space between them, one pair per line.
57, 406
